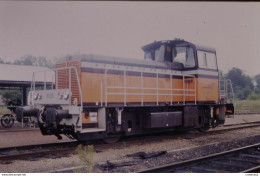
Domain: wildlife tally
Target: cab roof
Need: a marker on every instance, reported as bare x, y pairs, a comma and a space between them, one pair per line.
156, 44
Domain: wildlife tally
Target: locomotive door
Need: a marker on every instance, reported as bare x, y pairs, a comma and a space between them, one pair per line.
208, 84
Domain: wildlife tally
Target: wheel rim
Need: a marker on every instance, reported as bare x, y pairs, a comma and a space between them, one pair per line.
6, 121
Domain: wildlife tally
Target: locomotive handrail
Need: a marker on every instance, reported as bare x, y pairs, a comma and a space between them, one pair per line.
228, 82
56, 77
224, 93
185, 89
145, 88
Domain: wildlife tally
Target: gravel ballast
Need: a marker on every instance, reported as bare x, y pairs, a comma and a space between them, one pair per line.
178, 147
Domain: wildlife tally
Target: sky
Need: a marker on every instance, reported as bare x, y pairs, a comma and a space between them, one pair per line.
55, 29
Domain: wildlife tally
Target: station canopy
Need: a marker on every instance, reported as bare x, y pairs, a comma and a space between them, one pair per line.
13, 77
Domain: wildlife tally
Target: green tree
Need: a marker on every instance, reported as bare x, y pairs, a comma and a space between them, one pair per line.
243, 93
2, 61
11, 94
8, 62
26, 60
257, 80
242, 84
32, 60
239, 79
257, 90
42, 61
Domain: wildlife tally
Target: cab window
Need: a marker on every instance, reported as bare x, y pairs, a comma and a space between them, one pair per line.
155, 55
184, 55
159, 54
207, 60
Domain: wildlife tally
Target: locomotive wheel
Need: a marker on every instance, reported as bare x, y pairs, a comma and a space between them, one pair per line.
7, 121
109, 139
204, 128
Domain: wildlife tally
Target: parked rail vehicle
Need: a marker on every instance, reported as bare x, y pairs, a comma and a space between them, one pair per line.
175, 87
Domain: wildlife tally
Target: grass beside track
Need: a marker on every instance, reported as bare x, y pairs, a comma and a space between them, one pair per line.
247, 106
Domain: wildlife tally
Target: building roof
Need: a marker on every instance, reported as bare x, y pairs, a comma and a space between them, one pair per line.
20, 73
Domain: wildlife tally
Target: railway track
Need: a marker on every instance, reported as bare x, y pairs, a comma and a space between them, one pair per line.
109, 166
235, 126
18, 130
244, 159
31, 152
245, 123
50, 150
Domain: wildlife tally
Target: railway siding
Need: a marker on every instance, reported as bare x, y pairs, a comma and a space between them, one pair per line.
244, 159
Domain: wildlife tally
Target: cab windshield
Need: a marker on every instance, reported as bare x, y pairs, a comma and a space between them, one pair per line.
175, 54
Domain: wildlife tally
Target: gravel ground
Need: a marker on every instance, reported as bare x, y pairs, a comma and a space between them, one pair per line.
178, 147
27, 137
242, 119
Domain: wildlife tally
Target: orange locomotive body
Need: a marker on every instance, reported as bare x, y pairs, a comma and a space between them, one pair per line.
176, 86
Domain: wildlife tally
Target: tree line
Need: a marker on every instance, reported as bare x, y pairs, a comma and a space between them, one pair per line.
30, 60
244, 86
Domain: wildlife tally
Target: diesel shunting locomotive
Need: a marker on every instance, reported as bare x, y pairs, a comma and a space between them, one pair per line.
176, 86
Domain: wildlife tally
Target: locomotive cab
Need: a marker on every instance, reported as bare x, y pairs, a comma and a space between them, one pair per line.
179, 54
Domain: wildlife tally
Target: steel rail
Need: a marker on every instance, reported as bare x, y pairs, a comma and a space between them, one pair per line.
36, 154
19, 130
20, 152
197, 162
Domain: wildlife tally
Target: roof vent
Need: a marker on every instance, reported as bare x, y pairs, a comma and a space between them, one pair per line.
178, 39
